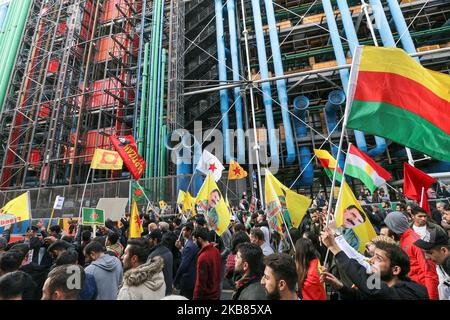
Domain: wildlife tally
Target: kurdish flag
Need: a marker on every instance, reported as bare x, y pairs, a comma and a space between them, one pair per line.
393, 96
361, 166
328, 163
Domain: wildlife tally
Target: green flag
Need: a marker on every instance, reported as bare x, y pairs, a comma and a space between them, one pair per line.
136, 193
93, 216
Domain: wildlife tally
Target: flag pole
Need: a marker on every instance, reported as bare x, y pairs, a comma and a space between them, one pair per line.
50, 220
421, 196
350, 93
84, 191
338, 199
287, 230
143, 192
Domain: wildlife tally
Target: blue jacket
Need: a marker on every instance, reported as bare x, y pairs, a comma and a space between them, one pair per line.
187, 272
107, 271
89, 291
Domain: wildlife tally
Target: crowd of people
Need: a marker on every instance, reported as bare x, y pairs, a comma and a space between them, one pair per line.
183, 258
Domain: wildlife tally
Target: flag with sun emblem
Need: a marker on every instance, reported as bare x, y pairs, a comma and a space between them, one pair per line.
93, 216
106, 160
236, 172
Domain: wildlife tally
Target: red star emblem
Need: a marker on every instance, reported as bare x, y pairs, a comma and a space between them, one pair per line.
212, 167
94, 216
138, 192
237, 171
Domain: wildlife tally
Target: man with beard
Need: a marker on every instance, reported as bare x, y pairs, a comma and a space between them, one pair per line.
142, 280
388, 279
280, 277
248, 263
209, 267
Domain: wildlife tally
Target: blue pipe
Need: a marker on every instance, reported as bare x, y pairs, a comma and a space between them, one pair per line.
382, 23
198, 178
183, 165
222, 78
265, 86
335, 99
3, 12
336, 41
402, 28
231, 7
349, 27
281, 84
158, 95
301, 104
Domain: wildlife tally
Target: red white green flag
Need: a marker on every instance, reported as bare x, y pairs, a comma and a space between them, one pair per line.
360, 166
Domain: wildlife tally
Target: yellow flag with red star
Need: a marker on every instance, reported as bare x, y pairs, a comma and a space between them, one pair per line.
136, 227
236, 172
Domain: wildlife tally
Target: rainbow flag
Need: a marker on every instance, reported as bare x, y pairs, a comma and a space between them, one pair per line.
393, 96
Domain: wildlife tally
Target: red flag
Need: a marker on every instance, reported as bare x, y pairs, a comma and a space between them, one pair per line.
126, 147
416, 181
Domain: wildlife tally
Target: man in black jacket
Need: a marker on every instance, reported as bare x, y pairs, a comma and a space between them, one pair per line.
158, 249
249, 263
187, 271
388, 282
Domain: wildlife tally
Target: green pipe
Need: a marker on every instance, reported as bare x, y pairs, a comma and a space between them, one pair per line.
7, 25
11, 57
141, 124
161, 108
152, 93
5, 36
152, 67
162, 162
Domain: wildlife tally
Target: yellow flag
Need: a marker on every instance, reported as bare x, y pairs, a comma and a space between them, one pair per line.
136, 227
181, 195
273, 205
189, 204
16, 210
296, 204
356, 226
211, 203
106, 160
162, 204
236, 171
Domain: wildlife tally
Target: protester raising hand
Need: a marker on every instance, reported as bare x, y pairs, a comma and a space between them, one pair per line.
328, 278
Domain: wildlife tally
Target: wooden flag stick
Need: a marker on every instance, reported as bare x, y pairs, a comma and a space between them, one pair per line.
50, 220
84, 191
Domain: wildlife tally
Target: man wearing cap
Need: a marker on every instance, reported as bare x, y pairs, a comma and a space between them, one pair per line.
422, 270
437, 248
158, 249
